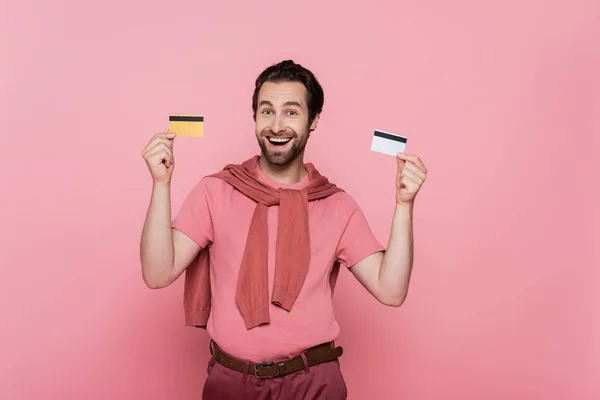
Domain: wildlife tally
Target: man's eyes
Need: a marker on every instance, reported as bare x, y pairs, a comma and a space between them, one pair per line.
269, 112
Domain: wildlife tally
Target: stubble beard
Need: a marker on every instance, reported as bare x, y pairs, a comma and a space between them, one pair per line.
282, 159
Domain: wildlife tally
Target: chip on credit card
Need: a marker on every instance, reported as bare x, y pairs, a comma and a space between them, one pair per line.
187, 125
388, 143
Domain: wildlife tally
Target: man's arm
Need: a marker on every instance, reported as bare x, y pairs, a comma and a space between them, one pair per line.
165, 252
386, 275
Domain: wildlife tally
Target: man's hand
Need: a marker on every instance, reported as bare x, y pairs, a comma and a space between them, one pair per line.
386, 275
158, 155
409, 178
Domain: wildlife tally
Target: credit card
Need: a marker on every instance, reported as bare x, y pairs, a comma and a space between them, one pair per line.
187, 125
388, 143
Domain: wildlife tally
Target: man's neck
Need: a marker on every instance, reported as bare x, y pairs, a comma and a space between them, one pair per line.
292, 173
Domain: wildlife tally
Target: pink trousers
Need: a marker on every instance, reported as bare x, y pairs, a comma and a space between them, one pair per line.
319, 382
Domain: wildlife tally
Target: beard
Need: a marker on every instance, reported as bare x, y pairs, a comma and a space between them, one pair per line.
282, 158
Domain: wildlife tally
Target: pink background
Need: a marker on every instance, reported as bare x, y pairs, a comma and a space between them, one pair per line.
500, 100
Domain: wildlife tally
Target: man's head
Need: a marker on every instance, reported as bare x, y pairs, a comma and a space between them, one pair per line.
287, 102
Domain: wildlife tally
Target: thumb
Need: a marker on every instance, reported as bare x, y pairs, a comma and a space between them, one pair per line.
171, 137
400, 160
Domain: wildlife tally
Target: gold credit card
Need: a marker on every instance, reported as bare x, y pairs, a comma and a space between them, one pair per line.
187, 125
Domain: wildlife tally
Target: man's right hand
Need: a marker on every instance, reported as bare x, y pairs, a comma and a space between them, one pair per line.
158, 155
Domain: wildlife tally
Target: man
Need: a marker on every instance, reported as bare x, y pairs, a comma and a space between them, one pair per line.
260, 243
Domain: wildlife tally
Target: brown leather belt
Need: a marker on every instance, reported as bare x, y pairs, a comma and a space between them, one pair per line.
314, 356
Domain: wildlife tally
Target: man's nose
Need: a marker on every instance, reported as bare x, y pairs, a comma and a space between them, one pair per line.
278, 124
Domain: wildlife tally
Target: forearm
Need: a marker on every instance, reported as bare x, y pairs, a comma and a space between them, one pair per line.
156, 247
396, 266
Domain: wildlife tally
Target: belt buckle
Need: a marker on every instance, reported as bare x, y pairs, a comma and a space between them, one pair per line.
265, 364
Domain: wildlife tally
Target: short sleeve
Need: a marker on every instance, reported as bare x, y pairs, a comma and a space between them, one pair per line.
357, 241
194, 218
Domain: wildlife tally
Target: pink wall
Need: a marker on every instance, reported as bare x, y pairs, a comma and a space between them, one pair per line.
500, 100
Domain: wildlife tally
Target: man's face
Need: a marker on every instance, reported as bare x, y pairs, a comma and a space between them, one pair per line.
282, 126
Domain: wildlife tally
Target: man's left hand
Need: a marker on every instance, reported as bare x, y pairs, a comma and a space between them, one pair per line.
411, 175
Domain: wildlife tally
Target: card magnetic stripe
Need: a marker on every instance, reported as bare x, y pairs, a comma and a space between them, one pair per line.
390, 136
185, 118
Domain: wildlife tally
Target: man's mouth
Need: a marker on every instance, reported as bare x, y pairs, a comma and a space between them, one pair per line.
278, 141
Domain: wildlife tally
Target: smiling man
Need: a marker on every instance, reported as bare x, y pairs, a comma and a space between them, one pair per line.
261, 242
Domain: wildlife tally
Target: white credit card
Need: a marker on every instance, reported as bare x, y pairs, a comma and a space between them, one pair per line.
388, 143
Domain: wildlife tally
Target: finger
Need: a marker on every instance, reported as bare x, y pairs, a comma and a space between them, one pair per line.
168, 150
415, 170
412, 175
159, 158
160, 155
168, 134
413, 159
409, 183
155, 142
165, 141
401, 163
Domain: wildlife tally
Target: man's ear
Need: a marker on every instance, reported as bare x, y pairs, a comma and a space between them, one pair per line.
314, 123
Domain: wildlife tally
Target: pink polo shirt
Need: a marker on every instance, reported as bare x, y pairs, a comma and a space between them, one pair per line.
215, 214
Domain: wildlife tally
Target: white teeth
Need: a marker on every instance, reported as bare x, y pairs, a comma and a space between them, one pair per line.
279, 140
